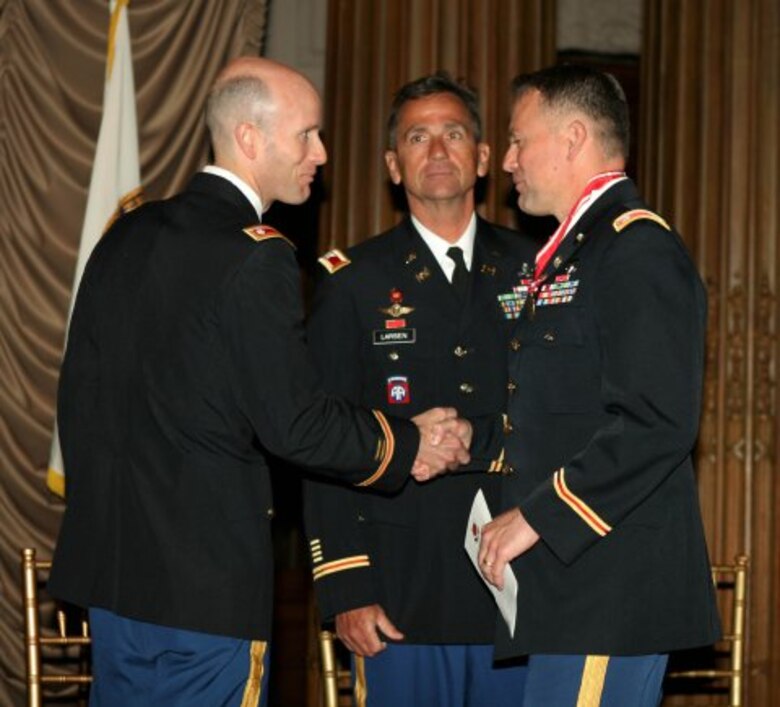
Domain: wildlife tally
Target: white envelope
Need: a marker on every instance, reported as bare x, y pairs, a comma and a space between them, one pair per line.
506, 599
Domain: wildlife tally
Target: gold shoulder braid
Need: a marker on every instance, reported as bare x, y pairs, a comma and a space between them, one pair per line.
629, 217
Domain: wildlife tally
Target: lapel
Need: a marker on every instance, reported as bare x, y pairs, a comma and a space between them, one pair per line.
422, 275
585, 227
491, 271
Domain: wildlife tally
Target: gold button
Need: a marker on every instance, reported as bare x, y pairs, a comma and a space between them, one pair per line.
466, 388
579, 237
270, 513
557, 261
460, 352
511, 386
514, 344
549, 336
393, 356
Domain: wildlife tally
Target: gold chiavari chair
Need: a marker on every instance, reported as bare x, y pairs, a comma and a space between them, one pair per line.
61, 650
337, 676
731, 581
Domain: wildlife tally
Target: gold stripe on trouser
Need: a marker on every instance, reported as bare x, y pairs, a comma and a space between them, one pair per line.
592, 685
254, 683
361, 689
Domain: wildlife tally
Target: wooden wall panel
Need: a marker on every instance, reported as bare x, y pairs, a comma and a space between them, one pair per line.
710, 161
375, 46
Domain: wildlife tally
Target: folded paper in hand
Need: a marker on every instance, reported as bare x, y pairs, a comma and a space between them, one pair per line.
506, 598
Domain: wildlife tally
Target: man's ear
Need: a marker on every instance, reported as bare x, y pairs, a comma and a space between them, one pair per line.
393, 169
483, 158
576, 135
249, 139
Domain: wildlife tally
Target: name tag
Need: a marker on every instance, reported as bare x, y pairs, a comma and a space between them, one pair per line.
385, 337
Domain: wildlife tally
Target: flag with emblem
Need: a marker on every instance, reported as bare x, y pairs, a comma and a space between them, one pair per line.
115, 186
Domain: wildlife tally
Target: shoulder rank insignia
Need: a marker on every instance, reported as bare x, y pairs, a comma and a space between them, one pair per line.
262, 232
334, 260
635, 215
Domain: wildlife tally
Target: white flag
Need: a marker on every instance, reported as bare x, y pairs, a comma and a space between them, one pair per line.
115, 186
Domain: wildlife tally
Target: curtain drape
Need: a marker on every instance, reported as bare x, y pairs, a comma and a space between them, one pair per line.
375, 46
710, 149
52, 60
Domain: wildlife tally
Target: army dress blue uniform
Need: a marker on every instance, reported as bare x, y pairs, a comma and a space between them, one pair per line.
606, 363
185, 366
388, 330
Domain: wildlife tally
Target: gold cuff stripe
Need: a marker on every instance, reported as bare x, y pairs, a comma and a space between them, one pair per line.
316, 556
582, 509
592, 686
315, 543
497, 464
345, 563
389, 450
254, 683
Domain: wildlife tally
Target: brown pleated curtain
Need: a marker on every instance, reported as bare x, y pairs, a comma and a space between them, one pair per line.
52, 61
710, 162
375, 46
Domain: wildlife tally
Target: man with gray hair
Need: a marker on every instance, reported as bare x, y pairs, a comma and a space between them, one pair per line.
409, 319
601, 520
185, 368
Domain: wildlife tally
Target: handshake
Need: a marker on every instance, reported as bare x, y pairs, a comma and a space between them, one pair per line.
444, 443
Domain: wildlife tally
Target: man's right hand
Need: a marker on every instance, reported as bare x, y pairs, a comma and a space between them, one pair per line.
359, 630
444, 443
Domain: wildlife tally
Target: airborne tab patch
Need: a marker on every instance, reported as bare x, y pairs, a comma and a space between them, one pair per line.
334, 260
261, 232
635, 215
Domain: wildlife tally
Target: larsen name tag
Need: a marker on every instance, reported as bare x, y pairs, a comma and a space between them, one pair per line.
384, 337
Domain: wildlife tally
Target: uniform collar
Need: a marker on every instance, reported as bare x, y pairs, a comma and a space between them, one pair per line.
439, 246
240, 184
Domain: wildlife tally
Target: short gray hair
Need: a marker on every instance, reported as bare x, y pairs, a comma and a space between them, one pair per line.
235, 100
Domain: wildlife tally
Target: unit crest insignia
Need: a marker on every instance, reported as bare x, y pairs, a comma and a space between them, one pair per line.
334, 260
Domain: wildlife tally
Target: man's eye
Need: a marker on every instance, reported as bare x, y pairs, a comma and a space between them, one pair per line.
456, 135
417, 138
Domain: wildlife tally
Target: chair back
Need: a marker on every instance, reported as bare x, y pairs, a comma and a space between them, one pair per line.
61, 656
731, 583
336, 673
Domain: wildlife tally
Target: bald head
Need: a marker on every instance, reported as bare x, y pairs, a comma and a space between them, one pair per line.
248, 90
264, 120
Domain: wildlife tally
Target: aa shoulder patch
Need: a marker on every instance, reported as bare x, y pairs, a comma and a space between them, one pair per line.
334, 260
635, 215
262, 232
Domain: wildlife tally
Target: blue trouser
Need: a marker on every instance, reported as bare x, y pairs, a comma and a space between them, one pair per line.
594, 681
138, 664
441, 676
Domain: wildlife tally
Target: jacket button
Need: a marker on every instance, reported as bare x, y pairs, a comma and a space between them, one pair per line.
270, 513
511, 386
514, 344
466, 388
557, 261
393, 355
580, 237
507, 469
460, 352
549, 336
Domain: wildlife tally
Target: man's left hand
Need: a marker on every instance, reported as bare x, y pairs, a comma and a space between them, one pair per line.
507, 536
